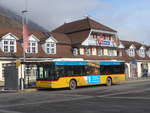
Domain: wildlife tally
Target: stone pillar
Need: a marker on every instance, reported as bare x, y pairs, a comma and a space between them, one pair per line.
129, 71
148, 68
21, 77
20, 71
139, 69
1, 78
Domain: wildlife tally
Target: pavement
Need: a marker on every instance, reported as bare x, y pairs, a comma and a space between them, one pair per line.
131, 97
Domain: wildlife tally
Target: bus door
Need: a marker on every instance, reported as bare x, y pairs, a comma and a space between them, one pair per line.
93, 73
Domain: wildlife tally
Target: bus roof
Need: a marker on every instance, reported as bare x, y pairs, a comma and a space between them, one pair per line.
70, 63
111, 63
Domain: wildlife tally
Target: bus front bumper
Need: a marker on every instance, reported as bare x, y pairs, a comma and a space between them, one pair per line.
45, 84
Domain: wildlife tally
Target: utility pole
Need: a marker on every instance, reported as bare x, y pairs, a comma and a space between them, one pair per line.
25, 35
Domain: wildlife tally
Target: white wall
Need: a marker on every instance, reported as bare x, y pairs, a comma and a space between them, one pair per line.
129, 70
149, 69
139, 69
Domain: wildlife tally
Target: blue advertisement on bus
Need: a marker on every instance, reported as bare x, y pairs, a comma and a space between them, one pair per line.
93, 79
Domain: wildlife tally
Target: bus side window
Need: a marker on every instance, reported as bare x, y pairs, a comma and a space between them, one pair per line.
60, 71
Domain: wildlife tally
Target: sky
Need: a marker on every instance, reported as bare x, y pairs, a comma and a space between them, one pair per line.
130, 18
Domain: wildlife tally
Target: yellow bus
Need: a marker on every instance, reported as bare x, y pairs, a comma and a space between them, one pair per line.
72, 74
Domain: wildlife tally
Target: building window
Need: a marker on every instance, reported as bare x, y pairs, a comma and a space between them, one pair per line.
9, 46
33, 47
131, 52
105, 51
120, 53
50, 48
81, 51
142, 52
75, 51
110, 52
100, 52
148, 53
88, 51
94, 51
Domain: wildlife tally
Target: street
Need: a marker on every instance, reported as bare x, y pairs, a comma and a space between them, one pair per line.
132, 97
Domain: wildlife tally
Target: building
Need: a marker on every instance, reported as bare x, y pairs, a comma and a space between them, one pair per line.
84, 39
137, 60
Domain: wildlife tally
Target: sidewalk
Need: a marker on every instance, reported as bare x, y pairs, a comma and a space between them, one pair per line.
129, 80
132, 80
2, 90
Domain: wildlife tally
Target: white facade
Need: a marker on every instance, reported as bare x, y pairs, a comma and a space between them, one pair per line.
139, 71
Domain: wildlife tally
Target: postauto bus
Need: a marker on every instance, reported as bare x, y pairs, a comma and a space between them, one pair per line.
71, 74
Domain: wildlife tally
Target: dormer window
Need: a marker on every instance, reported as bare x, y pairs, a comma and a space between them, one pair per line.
8, 43
142, 52
50, 47
148, 53
33, 44
33, 47
9, 46
131, 52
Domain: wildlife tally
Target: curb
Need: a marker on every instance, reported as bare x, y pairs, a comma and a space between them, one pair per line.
17, 91
137, 80
27, 90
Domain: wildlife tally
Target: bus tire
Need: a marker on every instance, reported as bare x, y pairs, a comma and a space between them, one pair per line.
109, 81
72, 84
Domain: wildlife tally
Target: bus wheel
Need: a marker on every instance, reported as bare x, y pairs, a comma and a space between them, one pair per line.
109, 81
72, 84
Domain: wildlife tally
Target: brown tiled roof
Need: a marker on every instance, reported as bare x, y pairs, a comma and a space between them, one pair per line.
147, 47
137, 57
127, 44
79, 30
62, 49
103, 58
61, 38
80, 25
98, 26
18, 33
78, 37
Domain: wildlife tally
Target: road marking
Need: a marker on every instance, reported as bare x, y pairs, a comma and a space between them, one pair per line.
6, 111
127, 92
131, 98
